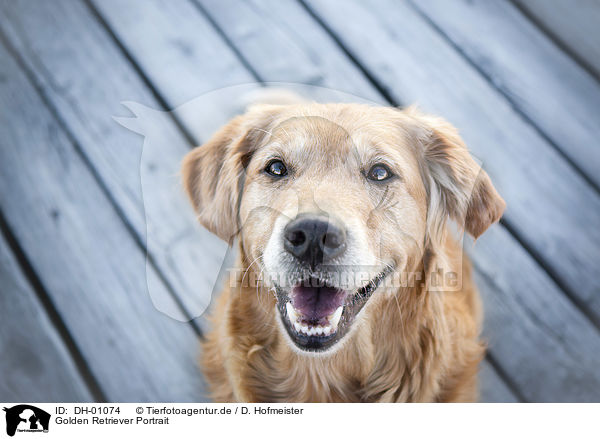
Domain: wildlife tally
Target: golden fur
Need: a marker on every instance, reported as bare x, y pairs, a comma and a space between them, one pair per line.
413, 342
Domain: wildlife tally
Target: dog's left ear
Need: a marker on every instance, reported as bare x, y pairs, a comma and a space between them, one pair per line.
213, 174
457, 186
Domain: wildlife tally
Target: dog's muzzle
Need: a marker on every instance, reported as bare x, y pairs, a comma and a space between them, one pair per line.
316, 311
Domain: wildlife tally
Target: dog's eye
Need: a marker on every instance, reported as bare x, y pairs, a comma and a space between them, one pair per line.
379, 172
276, 168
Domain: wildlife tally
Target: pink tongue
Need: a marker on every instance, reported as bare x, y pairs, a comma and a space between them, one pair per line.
316, 303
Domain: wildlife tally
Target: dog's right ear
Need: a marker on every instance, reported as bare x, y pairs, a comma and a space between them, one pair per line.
213, 174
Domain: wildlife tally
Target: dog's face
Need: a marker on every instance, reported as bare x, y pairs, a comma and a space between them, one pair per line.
329, 200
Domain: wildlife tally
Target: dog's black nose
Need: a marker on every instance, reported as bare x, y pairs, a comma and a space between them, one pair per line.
314, 239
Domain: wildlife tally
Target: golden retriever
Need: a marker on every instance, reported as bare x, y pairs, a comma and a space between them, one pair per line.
360, 291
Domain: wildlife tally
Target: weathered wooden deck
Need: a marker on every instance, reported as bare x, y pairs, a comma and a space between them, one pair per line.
520, 79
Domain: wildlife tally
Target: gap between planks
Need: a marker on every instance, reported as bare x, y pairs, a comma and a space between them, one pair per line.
71, 137
53, 315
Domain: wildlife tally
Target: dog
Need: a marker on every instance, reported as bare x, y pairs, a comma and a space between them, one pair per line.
316, 197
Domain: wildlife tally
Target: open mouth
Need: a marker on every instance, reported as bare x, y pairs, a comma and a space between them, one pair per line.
317, 315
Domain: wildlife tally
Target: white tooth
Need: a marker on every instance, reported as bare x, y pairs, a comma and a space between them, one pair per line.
326, 330
305, 329
319, 330
335, 317
311, 331
291, 312
297, 326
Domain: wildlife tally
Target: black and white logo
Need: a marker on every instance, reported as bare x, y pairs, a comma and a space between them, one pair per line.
26, 418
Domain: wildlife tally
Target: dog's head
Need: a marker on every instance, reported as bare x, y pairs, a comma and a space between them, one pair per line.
330, 199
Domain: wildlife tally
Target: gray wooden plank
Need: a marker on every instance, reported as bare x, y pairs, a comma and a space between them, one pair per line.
260, 26
85, 257
491, 386
35, 364
199, 61
282, 43
534, 332
158, 30
542, 81
85, 77
549, 205
181, 86
575, 24
181, 83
